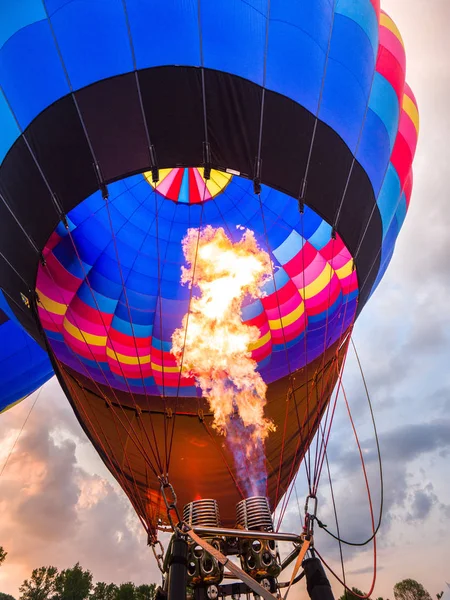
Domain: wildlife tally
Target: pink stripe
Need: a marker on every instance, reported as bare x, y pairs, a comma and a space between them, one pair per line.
340, 261
201, 186
323, 295
99, 352
131, 371
408, 131
165, 184
115, 346
391, 42
311, 273
286, 308
87, 326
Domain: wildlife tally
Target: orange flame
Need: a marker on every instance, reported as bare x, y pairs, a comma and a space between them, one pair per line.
212, 344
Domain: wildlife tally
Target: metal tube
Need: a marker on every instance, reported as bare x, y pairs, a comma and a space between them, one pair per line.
240, 533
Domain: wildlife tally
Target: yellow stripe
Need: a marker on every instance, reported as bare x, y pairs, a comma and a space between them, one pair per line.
11, 405
288, 319
127, 360
318, 284
53, 307
162, 175
82, 336
346, 270
387, 22
411, 110
159, 368
218, 182
262, 340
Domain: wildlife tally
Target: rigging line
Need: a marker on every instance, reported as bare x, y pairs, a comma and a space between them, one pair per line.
358, 142
301, 455
159, 302
191, 292
353, 593
301, 190
69, 83
277, 299
341, 555
327, 320
138, 84
341, 335
84, 367
319, 103
22, 428
287, 498
86, 279
123, 282
325, 442
116, 468
380, 465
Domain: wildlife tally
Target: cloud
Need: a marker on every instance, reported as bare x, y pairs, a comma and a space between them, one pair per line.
53, 511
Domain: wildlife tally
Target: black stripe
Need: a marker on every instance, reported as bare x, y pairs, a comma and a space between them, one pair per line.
172, 102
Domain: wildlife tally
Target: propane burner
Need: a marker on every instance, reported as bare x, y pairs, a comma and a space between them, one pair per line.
202, 568
254, 514
259, 558
202, 513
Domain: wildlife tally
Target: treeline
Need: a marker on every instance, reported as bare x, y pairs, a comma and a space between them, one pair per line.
76, 583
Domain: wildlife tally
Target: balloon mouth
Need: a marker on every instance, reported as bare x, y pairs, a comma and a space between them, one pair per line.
193, 185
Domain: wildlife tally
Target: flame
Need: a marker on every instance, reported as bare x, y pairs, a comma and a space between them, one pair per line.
212, 344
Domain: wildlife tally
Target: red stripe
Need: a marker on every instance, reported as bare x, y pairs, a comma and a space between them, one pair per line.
390, 68
174, 190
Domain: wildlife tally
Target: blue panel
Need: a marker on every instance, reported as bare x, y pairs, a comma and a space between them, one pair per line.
289, 248
31, 73
349, 78
164, 33
363, 13
16, 14
10, 130
24, 366
93, 39
374, 150
234, 35
389, 197
384, 102
298, 42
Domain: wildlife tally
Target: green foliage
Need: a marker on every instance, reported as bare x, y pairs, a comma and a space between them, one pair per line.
410, 589
6, 596
40, 586
352, 596
75, 583
2, 554
145, 592
104, 591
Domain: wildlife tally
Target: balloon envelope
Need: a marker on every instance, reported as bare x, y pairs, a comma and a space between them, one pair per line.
301, 111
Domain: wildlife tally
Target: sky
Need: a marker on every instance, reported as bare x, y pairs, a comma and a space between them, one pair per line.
59, 505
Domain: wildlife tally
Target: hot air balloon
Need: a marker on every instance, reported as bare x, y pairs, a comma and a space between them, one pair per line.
24, 366
132, 128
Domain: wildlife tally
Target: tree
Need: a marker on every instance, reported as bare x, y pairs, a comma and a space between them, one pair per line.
104, 591
126, 591
2, 554
410, 589
73, 584
40, 586
6, 596
352, 596
145, 592
439, 595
